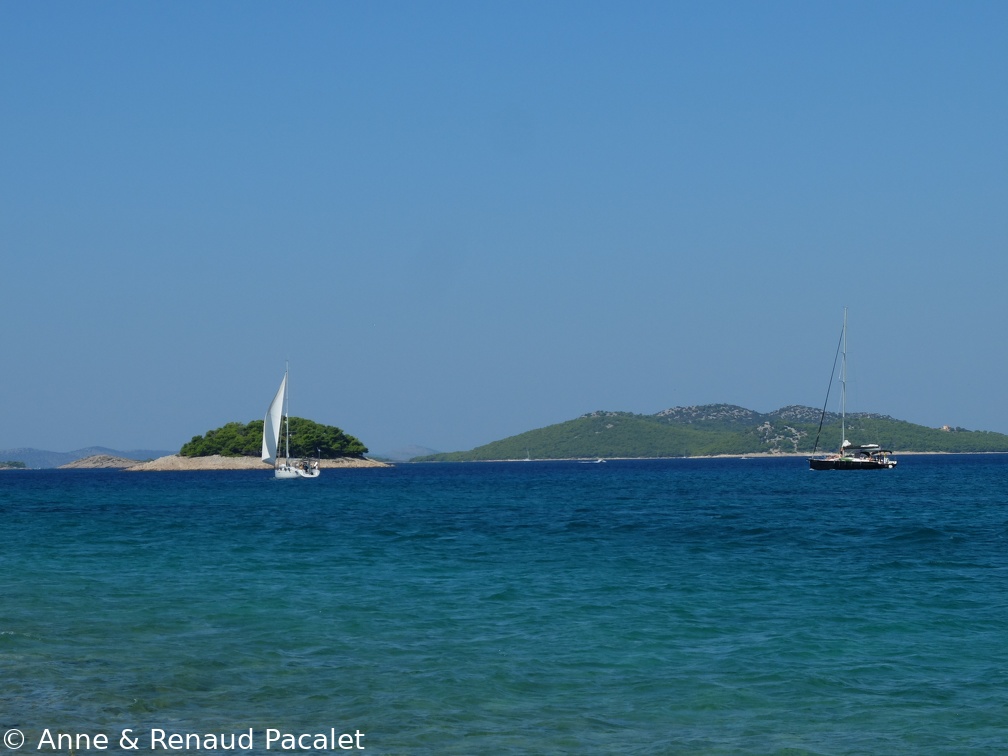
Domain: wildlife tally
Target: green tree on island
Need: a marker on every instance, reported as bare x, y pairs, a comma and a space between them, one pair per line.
307, 439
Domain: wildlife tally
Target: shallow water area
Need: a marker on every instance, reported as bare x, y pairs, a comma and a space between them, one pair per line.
671, 606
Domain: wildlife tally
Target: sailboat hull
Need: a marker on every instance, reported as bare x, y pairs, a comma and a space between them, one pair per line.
845, 463
285, 472
296, 470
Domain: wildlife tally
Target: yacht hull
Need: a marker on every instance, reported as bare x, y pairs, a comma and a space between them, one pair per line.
850, 464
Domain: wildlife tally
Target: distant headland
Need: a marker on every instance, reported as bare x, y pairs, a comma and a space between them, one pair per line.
713, 430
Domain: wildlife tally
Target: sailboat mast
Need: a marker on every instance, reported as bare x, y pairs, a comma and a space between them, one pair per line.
287, 403
843, 387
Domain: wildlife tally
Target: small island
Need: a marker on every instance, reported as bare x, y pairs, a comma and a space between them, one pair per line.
237, 446
177, 462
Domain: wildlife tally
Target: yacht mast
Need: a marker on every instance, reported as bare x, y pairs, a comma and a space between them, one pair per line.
287, 404
843, 387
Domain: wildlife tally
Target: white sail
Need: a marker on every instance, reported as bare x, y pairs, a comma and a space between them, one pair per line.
271, 424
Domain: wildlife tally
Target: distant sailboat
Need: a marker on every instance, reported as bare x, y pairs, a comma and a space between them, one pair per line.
862, 457
276, 413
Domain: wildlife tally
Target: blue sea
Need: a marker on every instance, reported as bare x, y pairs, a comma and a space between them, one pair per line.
716, 606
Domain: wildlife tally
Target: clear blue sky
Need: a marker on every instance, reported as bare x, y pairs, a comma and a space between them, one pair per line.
460, 221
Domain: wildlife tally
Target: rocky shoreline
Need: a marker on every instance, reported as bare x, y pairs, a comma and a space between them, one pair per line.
175, 462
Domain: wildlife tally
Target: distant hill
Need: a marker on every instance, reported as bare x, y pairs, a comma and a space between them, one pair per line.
714, 429
40, 459
100, 462
405, 454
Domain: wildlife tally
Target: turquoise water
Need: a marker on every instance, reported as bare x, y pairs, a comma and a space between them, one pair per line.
700, 607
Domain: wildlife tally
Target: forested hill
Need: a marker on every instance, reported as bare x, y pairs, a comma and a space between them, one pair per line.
722, 429
307, 439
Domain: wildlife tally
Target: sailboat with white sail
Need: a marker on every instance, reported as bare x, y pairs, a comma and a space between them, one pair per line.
850, 457
275, 416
